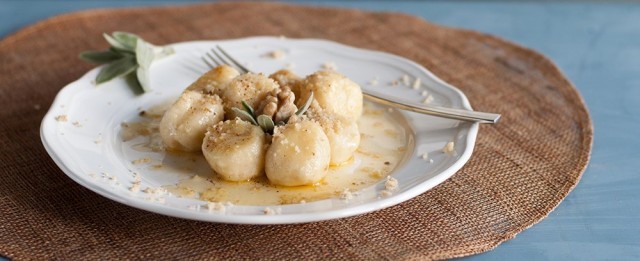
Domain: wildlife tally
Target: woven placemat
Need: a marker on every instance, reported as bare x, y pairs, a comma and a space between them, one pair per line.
521, 168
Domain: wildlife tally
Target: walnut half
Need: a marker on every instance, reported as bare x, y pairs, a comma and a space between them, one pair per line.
278, 104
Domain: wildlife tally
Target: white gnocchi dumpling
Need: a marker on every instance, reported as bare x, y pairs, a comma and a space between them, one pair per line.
183, 126
249, 87
334, 93
299, 154
343, 135
235, 150
215, 80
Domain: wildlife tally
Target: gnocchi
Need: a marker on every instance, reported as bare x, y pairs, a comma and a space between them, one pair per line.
214, 81
249, 87
299, 154
235, 150
183, 126
334, 93
343, 135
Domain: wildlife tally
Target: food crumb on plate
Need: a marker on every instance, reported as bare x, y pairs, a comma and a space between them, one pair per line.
330, 66
141, 161
373, 82
269, 211
391, 183
428, 100
215, 206
406, 80
449, 147
276, 54
385, 193
61, 118
416, 84
346, 195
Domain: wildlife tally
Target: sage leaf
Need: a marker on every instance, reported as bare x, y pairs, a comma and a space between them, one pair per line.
127, 39
144, 58
122, 66
266, 123
245, 116
249, 109
117, 44
100, 57
132, 80
306, 105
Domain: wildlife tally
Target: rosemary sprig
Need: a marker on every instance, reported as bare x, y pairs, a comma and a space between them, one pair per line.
128, 53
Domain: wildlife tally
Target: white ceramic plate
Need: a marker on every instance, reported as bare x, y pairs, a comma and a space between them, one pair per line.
87, 146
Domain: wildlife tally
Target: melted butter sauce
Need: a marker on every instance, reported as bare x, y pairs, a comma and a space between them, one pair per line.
382, 147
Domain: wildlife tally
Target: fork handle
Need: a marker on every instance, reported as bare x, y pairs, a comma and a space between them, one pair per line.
457, 114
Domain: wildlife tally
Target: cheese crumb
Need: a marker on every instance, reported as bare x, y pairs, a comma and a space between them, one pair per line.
406, 80
373, 82
269, 211
385, 193
155, 191
141, 161
428, 100
215, 206
61, 118
135, 187
424, 93
416, 84
346, 195
277, 54
330, 66
425, 156
450, 147
391, 183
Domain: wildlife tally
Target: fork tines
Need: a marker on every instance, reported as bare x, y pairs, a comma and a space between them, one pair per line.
219, 57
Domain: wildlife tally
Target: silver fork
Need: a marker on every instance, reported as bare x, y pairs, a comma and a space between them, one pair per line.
219, 56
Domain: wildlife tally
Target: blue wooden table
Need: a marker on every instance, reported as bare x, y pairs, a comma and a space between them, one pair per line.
597, 45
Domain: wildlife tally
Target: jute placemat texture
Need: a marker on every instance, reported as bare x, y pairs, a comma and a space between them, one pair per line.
520, 170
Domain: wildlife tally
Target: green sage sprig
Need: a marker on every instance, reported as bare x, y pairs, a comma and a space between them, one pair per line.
129, 56
263, 121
